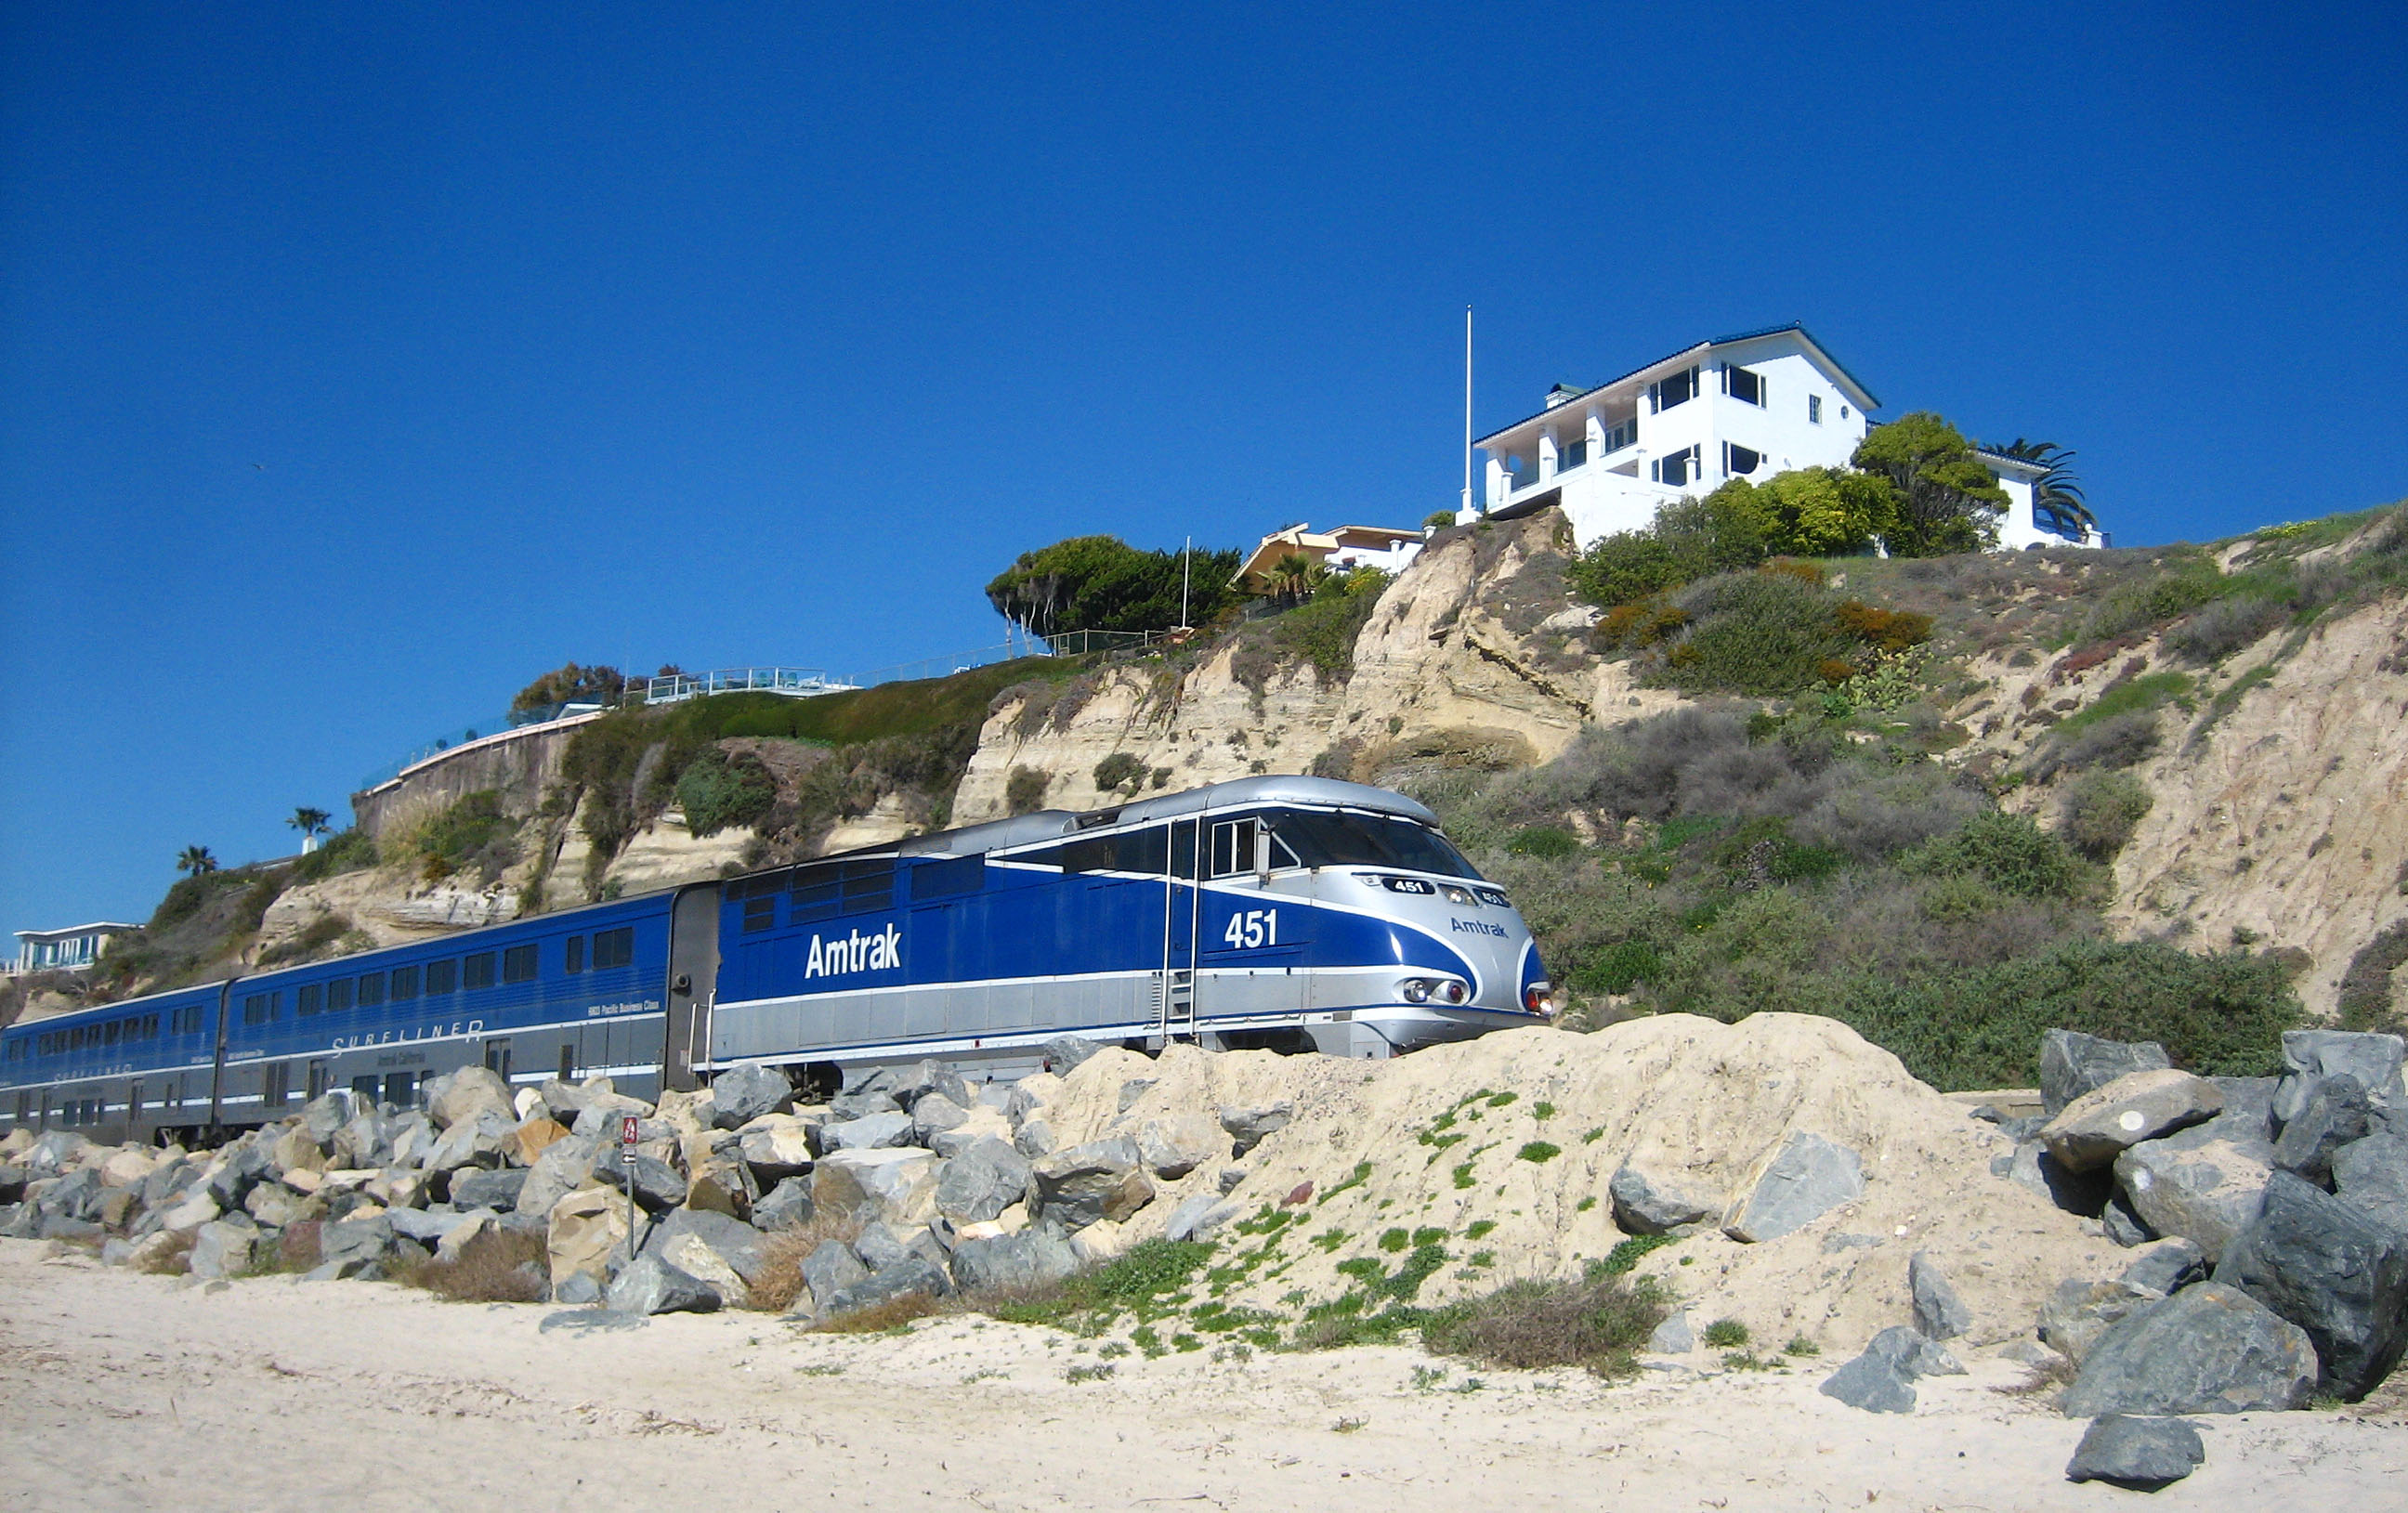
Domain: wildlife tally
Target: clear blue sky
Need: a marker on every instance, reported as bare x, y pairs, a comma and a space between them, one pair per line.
360, 362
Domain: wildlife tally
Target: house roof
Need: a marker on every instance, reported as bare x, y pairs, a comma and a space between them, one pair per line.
2012, 463
1866, 399
103, 927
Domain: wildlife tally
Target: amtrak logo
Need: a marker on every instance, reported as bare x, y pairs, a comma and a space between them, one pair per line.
1482, 927
854, 952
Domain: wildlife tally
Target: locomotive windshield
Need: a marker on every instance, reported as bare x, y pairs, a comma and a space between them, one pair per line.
1324, 840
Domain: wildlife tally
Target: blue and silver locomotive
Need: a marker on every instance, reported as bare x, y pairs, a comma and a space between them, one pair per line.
1287, 913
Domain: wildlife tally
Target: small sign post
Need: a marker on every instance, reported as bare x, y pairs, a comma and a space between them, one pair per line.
627, 1132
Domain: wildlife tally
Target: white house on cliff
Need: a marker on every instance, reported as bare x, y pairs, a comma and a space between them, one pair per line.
1744, 406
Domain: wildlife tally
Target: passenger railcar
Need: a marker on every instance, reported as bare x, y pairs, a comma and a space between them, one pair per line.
1294, 913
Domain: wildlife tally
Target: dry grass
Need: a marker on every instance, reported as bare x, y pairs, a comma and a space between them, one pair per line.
173, 1258
488, 1269
2047, 1378
1597, 1324
296, 1249
781, 1280
880, 1317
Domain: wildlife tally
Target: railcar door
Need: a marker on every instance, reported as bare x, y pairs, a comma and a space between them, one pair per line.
1174, 985
692, 983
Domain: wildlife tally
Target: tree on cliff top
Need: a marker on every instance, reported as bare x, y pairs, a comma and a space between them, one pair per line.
1947, 501
570, 684
1101, 583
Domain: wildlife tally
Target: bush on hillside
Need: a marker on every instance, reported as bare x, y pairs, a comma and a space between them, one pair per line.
1023, 791
1770, 632
724, 790
2100, 812
2227, 626
1122, 769
1946, 500
472, 834
2007, 851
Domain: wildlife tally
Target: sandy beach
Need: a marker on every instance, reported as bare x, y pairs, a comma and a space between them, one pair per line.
121, 1390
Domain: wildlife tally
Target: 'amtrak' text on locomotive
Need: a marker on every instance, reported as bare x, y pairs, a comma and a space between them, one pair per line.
854, 952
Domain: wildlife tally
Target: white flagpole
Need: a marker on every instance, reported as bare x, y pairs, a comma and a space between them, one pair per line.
1186, 567
1466, 409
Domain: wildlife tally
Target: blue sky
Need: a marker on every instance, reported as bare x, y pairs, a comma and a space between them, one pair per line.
358, 363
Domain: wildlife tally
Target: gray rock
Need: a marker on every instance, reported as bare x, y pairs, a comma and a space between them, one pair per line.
60, 1227
1034, 1257
1199, 1217
2078, 1315
653, 1286
2166, 1268
736, 1245
741, 1095
847, 1107
2077, 1193
562, 1169
577, 1289
1939, 1312
2206, 1193
1808, 1178
1643, 1205
463, 1093
2371, 1176
982, 1182
870, 1132
881, 1246
489, 1190
115, 1251
776, 1147
1911, 1353
2091, 1131
2209, 1349
897, 1185
1067, 1053
933, 1114
246, 1167
1673, 1336
1248, 1127
2309, 1056
2073, 1063
2143, 1454
1872, 1383
1033, 1138
2125, 1226
54, 1153
426, 1226
483, 1137
907, 1088
325, 1116
828, 1270
910, 1277
76, 1196
1100, 1179
787, 1206
2248, 1111
1231, 1178
2327, 1267
2337, 1112
228, 1246
1134, 1089
365, 1242
658, 1186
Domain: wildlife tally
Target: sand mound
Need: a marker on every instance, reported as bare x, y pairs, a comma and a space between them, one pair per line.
1457, 1139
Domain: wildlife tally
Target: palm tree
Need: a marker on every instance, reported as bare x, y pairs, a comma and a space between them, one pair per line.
312, 823
1291, 578
2058, 504
197, 860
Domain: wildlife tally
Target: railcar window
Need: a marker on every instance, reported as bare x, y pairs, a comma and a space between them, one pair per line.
477, 971
1094, 855
615, 947
1233, 848
1132, 851
308, 999
573, 958
188, 1021
518, 963
405, 983
371, 990
259, 1008
869, 885
339, 995
818, 894
945, 878
759, 914
1322, 840
442, 977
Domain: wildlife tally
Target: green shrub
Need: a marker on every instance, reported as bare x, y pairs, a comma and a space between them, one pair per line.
1024, 792
1122, 769
2365, 1001
1596, 1324
1724, 1334
1540, 1151
473, 834
1547, 842
2007, 851
345, 852
2102, 811
726, 791
1765, 634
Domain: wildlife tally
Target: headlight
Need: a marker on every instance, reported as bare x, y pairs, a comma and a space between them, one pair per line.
1539, 998
1415, 990
1456, 992
1457, 896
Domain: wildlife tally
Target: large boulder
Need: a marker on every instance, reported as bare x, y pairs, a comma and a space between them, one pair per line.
881, 1246
910, 1277
1172, 1146
1871, 1382
2209, 1349
862, 1103
484, 1137
359, 1246
564, 1168
587, 1235
1066, 1053
828, 1270
2204, 1193
2371, 1176
897, 1185
1939, 1312
908, 1087
2166, 1268
658, 1186
870, 1132
1249, 1125
489, 1189
1808, 1178
468, 1092
982, 1182
2031, 1166
1645, 1204
787, 1206
278, 1206
2073, 1063
933, 1115
741, 1095
2311, 1056
228, 1246
535, 1136
2138, 1453
652, 1286
2078, 1315
2338, 1112
1913, 1354
775, 1147
242, 1166
1100, 1179
324, 1116
1033, 1258
2327, 1266
1200, 1216
726, 1254
2091, 1131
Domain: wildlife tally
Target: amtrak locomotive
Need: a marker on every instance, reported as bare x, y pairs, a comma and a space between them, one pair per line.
1286, 913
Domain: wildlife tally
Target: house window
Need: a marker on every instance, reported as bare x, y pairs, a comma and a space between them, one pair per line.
1844, 412
615, 947
1745, 385
1739, 461
1676, 470
518, 965
1570, 457
1679, 389
1814, 409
